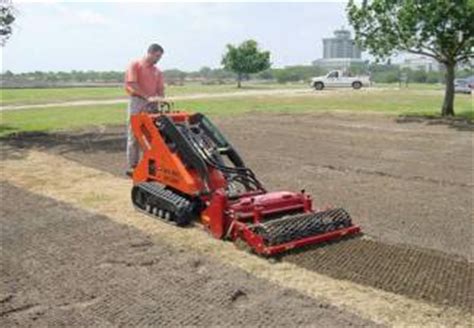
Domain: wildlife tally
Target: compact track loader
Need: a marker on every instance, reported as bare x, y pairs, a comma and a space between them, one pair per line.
190, 172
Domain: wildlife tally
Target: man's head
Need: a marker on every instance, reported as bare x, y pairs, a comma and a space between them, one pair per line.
154, 53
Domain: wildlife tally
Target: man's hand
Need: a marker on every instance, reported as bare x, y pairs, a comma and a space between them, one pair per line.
155, 99
162, 103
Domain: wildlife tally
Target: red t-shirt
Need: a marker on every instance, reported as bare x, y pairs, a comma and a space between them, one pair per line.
148, 77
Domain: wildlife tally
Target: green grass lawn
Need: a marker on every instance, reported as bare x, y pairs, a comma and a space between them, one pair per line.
51, 95
39, 96
390, 102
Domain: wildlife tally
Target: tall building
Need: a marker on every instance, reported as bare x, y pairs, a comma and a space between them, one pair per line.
340, 46
339, 51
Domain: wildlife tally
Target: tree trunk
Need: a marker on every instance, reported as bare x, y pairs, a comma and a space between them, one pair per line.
448, 103
239, 79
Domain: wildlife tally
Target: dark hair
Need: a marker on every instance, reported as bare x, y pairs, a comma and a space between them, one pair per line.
155, 47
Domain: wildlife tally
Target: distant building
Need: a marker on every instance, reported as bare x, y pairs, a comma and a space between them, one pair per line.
421, 63
339, 51
341, 46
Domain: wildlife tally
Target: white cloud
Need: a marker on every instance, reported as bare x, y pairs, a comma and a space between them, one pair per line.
82, 17
90, 17
156, 9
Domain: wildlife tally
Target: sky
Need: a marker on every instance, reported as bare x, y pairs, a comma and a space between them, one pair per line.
65, 36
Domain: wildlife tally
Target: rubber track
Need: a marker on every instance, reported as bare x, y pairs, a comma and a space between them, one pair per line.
159, 190
179, 207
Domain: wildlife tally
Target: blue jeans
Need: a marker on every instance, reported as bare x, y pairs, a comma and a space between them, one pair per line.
135, 106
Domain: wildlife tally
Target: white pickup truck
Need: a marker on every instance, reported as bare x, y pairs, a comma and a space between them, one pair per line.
339, 79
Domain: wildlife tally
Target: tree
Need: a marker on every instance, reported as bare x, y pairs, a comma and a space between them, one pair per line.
174, 76
285, 75
245, 59
7, 17
8, 74
432, 77
265, 75
205, 72
440, 29
420, 76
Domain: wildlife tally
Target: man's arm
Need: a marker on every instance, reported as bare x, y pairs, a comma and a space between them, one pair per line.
135, 90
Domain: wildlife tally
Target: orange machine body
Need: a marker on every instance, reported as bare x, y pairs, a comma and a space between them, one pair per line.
269, 222
159, 163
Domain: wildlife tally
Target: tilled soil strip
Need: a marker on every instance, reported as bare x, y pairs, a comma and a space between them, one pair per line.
62, 266
102, 193
417, 273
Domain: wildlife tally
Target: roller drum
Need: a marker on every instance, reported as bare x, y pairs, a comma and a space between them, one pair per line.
293, 227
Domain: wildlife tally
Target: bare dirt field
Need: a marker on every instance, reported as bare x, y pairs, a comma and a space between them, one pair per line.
63, 266
408, 184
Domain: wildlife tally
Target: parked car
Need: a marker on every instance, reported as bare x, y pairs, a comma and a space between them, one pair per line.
339, 79
464, 85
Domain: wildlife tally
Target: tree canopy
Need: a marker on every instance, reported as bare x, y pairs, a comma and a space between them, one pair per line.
7, 17
245, 59
440, 29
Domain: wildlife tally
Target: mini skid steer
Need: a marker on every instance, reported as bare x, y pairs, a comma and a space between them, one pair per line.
190, 172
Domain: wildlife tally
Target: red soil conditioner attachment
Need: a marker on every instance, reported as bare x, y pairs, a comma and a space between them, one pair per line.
189, 171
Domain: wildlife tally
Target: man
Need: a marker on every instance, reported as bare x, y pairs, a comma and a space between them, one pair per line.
144, 84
